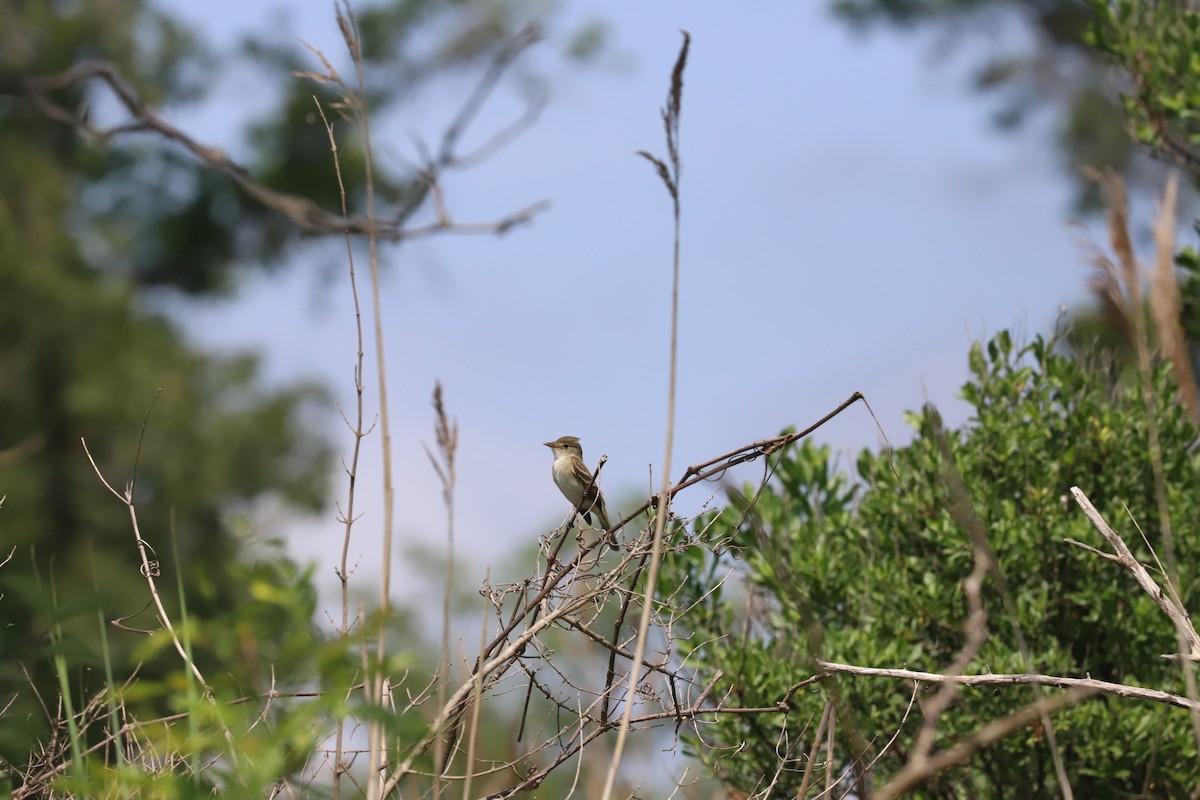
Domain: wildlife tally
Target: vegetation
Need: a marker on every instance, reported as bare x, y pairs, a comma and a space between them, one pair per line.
820, 628
105, 228
85, 354
817, 571
869, 570
1156, 46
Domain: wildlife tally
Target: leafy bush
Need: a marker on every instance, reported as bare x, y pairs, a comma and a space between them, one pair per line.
869, 572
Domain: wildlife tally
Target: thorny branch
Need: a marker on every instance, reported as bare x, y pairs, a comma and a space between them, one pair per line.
573, 594
570, 594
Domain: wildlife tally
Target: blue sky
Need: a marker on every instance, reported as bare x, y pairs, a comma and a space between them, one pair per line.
850, 222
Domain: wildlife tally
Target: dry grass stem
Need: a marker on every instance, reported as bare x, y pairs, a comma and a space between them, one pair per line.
1165, 303
670, 177
446, 436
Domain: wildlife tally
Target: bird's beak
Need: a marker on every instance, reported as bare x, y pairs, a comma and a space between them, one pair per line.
549, 444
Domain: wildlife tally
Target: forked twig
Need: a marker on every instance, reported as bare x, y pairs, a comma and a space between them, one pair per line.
149, 566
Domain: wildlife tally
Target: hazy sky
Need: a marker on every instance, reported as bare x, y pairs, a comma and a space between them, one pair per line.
850, 222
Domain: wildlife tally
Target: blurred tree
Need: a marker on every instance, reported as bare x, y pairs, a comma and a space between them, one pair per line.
1039, 57
98, 212
1155, 44
870, 572
1122, 77
83, 354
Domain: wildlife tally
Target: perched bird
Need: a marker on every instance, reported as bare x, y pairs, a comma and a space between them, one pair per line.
572, 476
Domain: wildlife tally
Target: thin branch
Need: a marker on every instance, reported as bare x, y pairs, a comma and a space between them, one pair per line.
348, 24
806, 778
975, 626
476, 703
963, 511
357, 432
527, 37
150, 569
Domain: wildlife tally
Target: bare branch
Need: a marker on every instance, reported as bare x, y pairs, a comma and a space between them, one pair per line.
306, 215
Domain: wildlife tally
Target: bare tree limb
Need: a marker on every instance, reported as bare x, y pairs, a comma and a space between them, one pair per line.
306, 215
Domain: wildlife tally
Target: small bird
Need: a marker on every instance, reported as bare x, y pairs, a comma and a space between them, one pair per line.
572, 476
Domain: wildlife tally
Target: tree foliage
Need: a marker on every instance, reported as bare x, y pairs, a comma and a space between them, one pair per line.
84, 355
868, 571
1158, 46
95, 232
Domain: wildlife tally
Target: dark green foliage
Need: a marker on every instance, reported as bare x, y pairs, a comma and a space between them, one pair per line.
1188, 262
83, 356
80, 357
871, 573
94, 233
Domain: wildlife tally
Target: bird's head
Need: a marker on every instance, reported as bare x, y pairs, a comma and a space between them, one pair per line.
565, 446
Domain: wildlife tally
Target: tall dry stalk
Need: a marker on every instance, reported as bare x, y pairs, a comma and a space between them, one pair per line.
1165, 302
355, 103
669, 173
446, 435
346, 515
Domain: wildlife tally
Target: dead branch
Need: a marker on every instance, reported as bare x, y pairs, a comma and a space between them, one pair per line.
306, 215
564, 590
